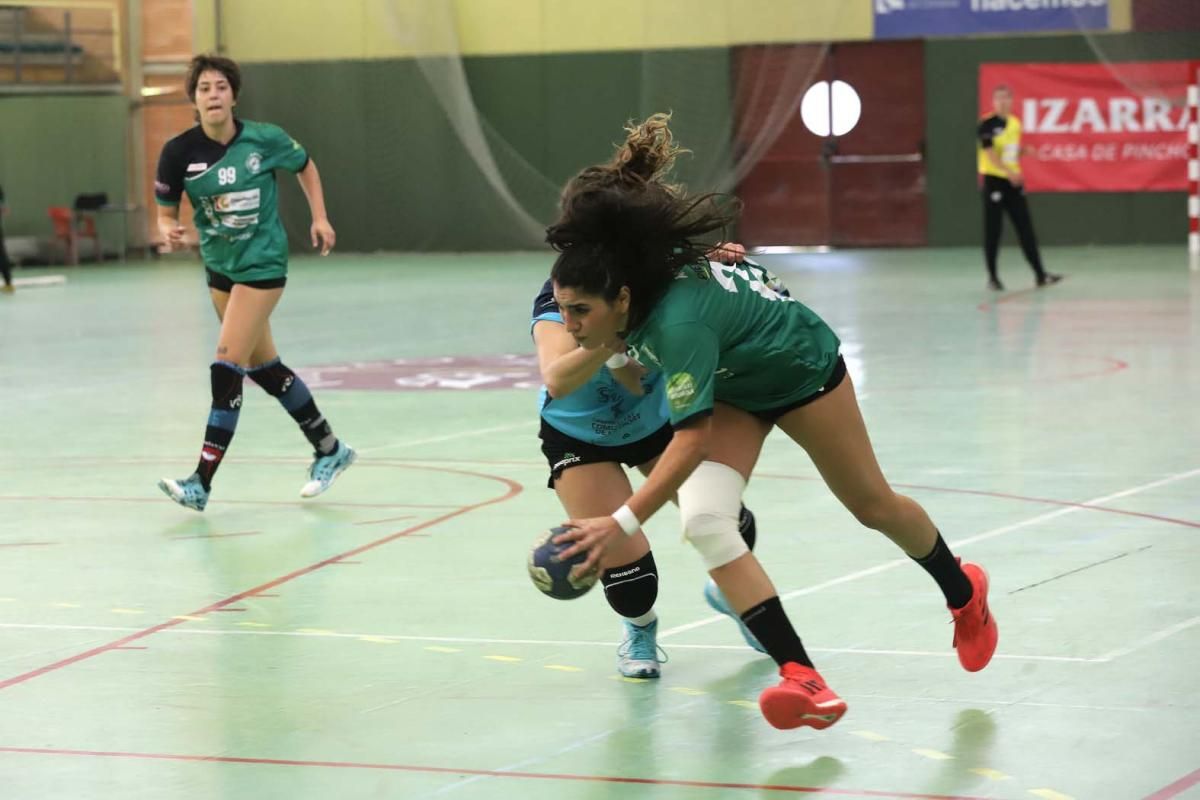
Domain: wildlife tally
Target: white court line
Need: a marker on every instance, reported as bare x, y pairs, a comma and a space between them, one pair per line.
41, 280
889, 565
1006, 702
1151, 639
526, 763
450, 436
739, 648
579, 743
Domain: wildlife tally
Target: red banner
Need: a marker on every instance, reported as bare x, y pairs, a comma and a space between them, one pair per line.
1117, 127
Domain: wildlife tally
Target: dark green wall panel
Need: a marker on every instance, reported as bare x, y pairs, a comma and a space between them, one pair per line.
399, 177
53, 147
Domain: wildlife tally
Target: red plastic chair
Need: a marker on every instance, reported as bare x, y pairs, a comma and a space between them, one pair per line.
69, 229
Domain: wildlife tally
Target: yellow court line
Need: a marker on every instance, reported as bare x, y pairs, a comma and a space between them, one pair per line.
987, 772
687, 691
127, 611
189, 618
505, 659
67, 605
1050, 794
377, 639
433, 648
871, 736
315, 631
936, 755
564, 668
744, 704
253, 624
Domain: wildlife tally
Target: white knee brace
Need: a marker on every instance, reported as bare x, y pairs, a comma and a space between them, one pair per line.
709, 502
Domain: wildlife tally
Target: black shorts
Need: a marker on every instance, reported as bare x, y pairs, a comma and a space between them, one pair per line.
563, 452
224, 283
838, 375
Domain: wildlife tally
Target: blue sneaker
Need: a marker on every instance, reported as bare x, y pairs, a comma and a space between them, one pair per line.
325, 469
638, 655
716, 601
189, 492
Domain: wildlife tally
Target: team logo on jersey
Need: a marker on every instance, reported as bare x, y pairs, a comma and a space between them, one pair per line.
254, 163
237, 201
197, 166
644, 354
239, 221
681, 390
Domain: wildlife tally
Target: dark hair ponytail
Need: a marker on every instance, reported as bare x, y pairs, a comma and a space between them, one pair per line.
620, 223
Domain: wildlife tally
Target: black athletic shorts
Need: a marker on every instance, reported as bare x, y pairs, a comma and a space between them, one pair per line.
563, 452
224, 283
838, 375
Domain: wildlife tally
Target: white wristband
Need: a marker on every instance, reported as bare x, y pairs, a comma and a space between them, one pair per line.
616, 361
626, 519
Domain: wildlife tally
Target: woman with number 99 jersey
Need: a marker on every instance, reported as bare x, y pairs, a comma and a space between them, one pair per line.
227, 168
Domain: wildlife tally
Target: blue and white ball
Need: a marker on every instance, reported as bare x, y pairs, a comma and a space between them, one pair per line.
554, 577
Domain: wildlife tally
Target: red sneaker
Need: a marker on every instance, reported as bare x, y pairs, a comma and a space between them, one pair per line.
801, 698
975, 631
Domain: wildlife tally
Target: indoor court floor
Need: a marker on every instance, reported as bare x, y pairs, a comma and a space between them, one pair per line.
384, 640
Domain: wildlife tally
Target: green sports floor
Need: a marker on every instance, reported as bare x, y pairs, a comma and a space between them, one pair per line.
384, 641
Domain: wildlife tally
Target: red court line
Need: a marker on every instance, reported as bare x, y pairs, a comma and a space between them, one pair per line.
1176, 788
514, 489
386, 519
489, 773
1004, 496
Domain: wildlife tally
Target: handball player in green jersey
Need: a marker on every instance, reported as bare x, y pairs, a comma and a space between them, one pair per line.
739, 357
226, 166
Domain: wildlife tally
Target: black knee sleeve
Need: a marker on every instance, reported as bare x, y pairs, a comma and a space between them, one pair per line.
275, 377
631, 590
226, 386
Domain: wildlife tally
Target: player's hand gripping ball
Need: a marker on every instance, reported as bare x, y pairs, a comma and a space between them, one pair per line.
554, 577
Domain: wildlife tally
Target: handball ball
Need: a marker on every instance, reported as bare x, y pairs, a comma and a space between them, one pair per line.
554, 577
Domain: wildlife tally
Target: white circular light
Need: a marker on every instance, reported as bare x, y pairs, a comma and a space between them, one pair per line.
816, 106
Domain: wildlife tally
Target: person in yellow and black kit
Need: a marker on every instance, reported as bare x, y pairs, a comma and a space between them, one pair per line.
999, 147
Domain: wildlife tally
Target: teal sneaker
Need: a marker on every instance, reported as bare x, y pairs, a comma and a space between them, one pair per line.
325, 469
639, 655
716, 601
189, 492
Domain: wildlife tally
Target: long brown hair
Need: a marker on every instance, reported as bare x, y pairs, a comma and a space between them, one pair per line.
622, 224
